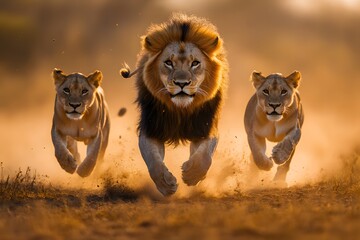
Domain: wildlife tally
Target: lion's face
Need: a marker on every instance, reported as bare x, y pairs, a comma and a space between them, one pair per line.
275, 93
76, 92
182, 72
182, 63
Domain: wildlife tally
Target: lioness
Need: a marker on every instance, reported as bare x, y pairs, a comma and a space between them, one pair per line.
274, 113
80, 114
181, 82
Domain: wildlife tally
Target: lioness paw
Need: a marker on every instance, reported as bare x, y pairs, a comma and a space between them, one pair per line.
282, 151
194, 170
85, 168
67, 162
264, 163
164, 180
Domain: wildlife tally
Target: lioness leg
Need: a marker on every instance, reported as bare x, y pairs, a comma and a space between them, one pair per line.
71, 145
105, 140
153, 153
104, 144
282, 170
201, 152
92, 153
62, 154
258, 148
284, 150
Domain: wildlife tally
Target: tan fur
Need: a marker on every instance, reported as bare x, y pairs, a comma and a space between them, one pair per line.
274, 113
80, 114
182, 78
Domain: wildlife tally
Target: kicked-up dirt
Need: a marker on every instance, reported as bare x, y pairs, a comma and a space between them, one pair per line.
329, 209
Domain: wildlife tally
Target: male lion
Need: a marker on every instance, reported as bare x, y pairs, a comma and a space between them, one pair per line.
80, 114
274, 113
182, 76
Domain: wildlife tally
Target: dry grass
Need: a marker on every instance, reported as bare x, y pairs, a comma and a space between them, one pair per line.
30, 209
23, 185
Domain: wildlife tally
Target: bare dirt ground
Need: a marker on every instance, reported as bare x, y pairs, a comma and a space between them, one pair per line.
329, 209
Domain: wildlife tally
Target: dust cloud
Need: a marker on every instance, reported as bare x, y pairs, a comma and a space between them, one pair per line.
83, 36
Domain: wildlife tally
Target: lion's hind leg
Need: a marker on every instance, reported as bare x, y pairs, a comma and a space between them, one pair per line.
153, 153
195, 169
282, 170
105, 140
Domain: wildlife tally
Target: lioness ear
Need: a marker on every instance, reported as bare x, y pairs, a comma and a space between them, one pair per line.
58, 76
95, 78
257, 79
294, 79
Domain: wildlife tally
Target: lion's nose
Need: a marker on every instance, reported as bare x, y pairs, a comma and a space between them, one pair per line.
182, 83
75, 105
274, 105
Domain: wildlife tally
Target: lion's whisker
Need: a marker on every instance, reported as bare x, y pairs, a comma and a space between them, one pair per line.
161, 90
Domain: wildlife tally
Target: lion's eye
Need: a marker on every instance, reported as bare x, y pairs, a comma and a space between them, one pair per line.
84, 91
195, 63
266, 92
66, 91
168, 63
283, 92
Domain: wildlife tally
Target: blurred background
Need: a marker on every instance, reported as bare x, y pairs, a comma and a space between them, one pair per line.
321, 39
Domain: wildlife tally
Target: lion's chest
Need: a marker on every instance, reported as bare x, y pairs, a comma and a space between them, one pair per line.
168, 125
274, 131
80, 131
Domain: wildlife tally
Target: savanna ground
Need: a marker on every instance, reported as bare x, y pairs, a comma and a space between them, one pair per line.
328, 209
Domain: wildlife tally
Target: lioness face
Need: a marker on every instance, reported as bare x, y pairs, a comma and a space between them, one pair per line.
182, 70
76, 92
275, 93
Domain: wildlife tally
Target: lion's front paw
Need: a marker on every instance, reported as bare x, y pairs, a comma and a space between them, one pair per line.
164, 180
194, 170
68, 163
85, 168
282, 151
264, 163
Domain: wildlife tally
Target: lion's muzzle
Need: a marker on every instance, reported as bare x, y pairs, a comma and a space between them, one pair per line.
75, 105
182, 83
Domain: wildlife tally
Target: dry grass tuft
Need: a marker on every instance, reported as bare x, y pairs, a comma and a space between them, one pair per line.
24, 185
347, 179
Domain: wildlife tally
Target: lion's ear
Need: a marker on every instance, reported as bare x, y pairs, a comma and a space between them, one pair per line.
257, 79
58, 76
215, 43
95, 78
294, 79
147, 43
209, 45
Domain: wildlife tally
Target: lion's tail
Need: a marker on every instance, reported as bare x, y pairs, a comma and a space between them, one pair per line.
126, 72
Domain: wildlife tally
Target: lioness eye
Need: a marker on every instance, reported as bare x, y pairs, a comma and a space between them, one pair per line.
168, 63
283, 92
84, 91
195, 63
266, 92
66, 90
